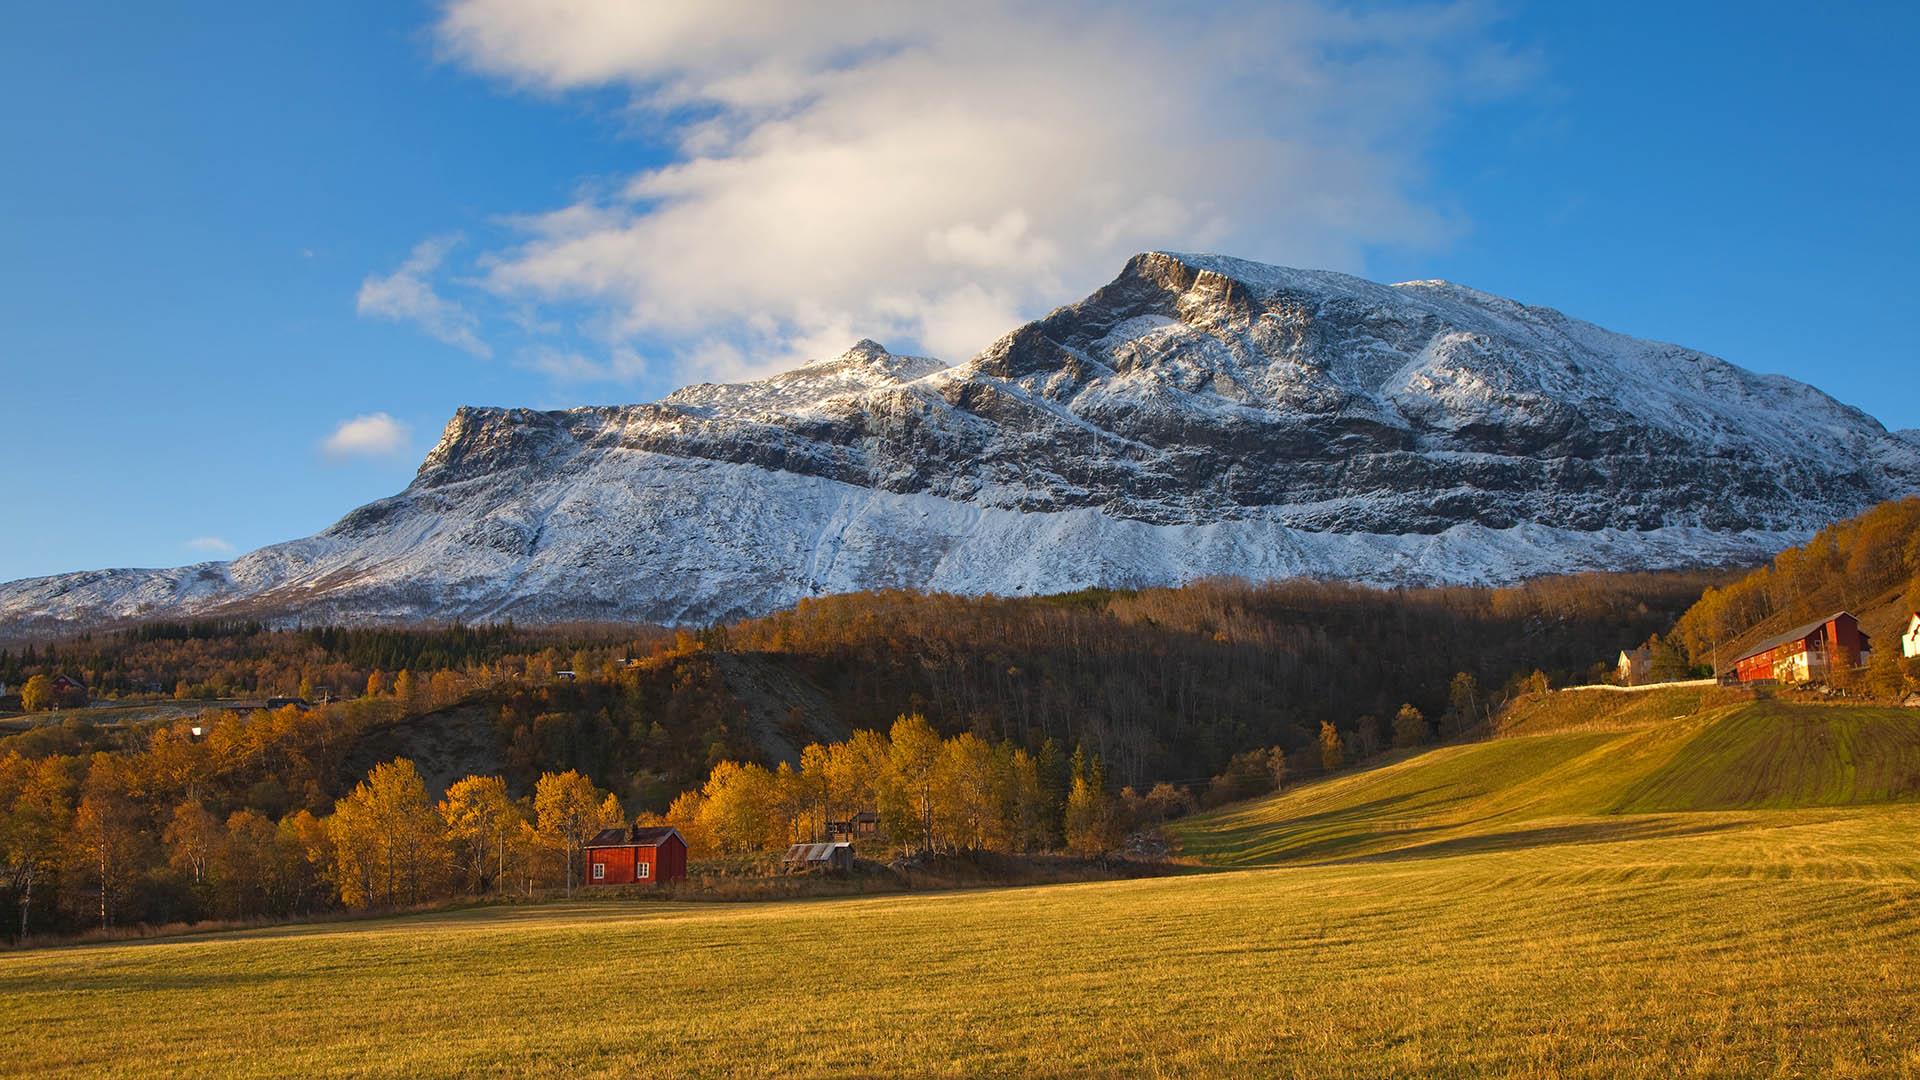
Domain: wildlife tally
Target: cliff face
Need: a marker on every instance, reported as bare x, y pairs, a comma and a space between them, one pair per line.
1198, 415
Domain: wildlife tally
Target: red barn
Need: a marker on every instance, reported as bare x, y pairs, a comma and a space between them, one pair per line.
636, 856
1806, 653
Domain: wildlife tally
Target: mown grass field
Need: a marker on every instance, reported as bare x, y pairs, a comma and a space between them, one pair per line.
1594, 766
1484, 910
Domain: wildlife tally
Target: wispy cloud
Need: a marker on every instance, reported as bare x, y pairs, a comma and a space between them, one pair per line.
210, 545
372, 435
621, 365
848, 170
408, 295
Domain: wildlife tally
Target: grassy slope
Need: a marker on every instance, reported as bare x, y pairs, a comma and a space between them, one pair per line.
1513, 920
1599, 766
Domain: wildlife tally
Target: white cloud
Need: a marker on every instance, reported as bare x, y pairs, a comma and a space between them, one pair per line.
907, 173
212, 545
372, 435
408, 295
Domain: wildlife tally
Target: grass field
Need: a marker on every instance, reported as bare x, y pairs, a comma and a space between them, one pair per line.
1603, 766
1496, 909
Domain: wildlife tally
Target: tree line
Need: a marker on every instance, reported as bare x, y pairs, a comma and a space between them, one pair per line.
238, 659
1171, 683
930, 794
89, 843
934, 793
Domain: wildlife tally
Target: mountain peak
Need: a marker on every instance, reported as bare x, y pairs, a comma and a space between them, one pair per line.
867, 362
1197, 415
1219, 275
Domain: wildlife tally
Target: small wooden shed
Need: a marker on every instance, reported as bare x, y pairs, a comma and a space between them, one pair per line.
863, 824
636, 856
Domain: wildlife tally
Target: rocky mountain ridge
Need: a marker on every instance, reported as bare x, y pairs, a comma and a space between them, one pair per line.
1198, 415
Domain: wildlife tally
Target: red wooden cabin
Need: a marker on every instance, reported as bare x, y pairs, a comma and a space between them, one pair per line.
1806, 653
636, 856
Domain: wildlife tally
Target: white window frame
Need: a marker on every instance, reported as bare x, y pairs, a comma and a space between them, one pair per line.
599, 871
642, 871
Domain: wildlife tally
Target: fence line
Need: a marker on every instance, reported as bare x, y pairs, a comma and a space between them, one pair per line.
1637, 689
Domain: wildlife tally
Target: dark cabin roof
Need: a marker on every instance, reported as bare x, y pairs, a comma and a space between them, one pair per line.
634, 837
1796, 634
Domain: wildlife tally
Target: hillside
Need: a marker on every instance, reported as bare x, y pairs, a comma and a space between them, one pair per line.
1583, 767
1199, 415
1868, 564
1165, 683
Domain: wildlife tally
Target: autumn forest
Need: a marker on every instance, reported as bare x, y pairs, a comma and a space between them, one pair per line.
1058, 723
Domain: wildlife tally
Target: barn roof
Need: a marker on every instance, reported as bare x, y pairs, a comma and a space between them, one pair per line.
1795, 634
634, 837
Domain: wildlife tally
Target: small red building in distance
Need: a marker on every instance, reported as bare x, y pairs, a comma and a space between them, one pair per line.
1807, 652
636, 856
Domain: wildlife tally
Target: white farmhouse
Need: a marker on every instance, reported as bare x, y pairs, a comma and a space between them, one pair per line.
1910, 644
1633, 666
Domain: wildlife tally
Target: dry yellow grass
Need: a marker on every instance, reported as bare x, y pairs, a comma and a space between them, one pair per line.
1633, 772
1753, 942
1776, 944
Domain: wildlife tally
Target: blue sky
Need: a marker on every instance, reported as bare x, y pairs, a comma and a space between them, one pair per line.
206, 222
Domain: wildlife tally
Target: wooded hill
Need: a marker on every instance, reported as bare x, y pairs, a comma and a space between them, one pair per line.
1168, 683
1160, 683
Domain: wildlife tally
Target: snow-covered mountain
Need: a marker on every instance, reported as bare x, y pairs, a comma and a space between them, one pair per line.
1199, 415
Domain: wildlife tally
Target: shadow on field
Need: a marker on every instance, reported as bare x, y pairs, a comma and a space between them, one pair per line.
124, 979
1327, 834
1591, 832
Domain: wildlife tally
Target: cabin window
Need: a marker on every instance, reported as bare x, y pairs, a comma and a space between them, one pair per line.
642, 870
599, 871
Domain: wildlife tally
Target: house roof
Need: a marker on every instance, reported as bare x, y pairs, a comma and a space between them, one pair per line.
816, 852
1795, 634
634, 836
